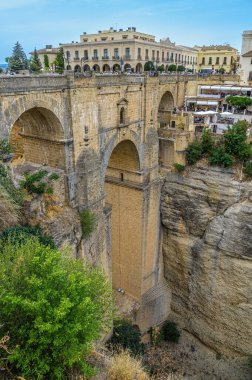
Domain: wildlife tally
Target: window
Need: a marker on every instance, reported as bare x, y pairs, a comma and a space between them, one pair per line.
176, 57
122, 115
127, 53
124, 37
217, 60
172, 57
116, 53
179, 57
224, 60
251, 61
168, 56
203, 60
105, 53
162, 55
76, 54
85, 54
146, 54
210, 61
68, 55
157, 54
85, 39
153, 55
95, 54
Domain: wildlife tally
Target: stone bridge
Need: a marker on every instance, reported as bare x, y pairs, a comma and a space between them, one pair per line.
101, 132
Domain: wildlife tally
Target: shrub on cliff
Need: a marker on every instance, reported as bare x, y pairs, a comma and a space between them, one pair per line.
248, 169
220, 157
235, 141
170, 332
127, 337
20, 234
193, 152
52, 307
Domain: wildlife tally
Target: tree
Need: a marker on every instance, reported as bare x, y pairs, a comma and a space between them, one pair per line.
181, 68
235, 141
221, 70
18, 60
149, 66
172, 68
46, 61
241, 102
161, 68
59, 61
52, 306
35, 64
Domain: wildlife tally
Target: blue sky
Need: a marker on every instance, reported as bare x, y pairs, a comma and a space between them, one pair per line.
35, 23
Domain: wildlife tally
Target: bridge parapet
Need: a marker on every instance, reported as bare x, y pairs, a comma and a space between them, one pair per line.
10, 84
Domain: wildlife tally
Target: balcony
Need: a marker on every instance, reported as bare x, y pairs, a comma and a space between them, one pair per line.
127, 56
105, 57
116, 57
76, 58
139, 57
96, 58
85, 58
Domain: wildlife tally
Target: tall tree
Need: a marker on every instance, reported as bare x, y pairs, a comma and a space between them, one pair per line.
59, 61
18, 60
35, 64
46, 61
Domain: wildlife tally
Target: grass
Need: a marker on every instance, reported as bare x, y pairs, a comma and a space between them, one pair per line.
122, 366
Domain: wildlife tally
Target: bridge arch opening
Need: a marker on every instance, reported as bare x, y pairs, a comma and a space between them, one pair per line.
165, 109
37, 137
126, 198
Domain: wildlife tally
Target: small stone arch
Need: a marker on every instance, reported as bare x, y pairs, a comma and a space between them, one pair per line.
139, 68
127, 67
86, 68
116, 67
77, 69
96, 68
165, 109
106, 68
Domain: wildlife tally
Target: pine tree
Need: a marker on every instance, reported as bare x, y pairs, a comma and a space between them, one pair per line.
18, 60
59, 61
46, 61
35, 64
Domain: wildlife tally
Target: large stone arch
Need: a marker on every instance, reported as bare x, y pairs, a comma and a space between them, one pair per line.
38, 137
25, 103
115, 140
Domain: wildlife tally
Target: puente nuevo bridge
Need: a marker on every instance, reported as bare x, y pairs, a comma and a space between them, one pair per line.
102, 133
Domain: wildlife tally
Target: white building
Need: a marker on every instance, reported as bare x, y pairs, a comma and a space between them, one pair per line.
246, 58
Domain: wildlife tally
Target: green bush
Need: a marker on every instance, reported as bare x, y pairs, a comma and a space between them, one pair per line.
179, 168
193, 152
219, 157
170, 332
235, 140
207, 141
126, 336
248, 169
6, 182
5, 147
20, 234
52, 307
33, 182
88, 222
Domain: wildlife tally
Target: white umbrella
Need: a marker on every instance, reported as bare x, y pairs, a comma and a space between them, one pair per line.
202, 113
211, 112
226, 113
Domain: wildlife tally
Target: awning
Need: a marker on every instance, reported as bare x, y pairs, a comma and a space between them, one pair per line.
206, 103
226, 88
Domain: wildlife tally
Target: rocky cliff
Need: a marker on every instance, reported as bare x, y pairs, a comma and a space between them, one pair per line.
207, 250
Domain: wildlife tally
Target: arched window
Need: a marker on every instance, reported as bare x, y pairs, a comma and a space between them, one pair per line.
122, 115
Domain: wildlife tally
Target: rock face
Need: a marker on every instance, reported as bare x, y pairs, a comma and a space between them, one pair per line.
207, 250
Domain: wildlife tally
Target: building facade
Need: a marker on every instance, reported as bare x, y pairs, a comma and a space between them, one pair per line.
217, 58
122, 50
51, 52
